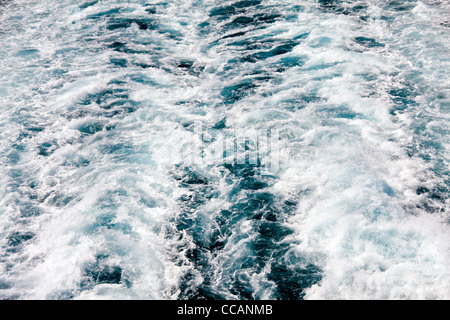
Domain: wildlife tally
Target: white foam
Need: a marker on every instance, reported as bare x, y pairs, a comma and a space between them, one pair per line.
358, 217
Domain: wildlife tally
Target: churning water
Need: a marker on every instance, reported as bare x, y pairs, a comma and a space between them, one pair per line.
253, 149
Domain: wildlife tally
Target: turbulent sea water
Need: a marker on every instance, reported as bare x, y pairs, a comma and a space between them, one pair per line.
254, 149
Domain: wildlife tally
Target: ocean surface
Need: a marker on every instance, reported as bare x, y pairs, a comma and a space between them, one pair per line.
252, 149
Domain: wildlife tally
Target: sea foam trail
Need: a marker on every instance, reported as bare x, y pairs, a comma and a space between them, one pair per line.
238, 149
